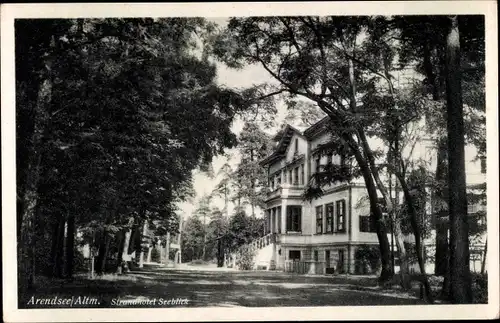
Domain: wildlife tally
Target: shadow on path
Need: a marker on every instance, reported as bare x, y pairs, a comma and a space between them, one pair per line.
223, 289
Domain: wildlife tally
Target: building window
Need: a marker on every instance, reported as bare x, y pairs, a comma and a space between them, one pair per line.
340, 264
319, 219
316, 256
296, 146
472, 208
279, 219
271, 180
290, 176
366, 224
327, 258
318, 164
341, 216
294, 254
278, 180
483, 165
329, 218
302, 174
294, 219
296, 176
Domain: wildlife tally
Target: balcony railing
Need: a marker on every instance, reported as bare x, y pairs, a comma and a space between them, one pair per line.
275, 193
256, 244
286, 190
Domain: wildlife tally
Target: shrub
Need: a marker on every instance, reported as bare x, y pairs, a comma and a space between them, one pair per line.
155, 254
480, 288
245, 260
367, 260
80, 264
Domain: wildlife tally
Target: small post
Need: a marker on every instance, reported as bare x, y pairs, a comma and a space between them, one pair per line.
92, 267
167, 248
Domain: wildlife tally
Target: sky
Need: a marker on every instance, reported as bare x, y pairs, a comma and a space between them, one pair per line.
243, 78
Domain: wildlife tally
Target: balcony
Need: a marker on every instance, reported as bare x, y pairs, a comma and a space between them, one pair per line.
274, 194
286, 191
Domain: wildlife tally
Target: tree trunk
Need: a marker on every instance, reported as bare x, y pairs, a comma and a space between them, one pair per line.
27, 215
133, 239
440, 195
57, 269
125, 252
53, 249
179, 241
70, 245
441, 256
460, 278
150, 251
385, 253
403, 259
204, 238
220, 253
418, 243
141, 249
99, 264
106, 254
226, 201
167, 248
121, 248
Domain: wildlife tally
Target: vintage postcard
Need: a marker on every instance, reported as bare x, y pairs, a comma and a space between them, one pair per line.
250, 161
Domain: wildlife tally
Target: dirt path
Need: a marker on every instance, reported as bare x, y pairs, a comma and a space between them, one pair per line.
208, 287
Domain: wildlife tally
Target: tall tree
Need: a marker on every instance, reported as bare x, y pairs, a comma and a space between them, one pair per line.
124, 153
192, 239
460, 279
312, 57
254, 145
203, 212
223, 188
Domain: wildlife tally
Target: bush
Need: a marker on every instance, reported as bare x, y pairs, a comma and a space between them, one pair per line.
367, 260
155, 255
480, 288
80, 263
245, 260
198, 262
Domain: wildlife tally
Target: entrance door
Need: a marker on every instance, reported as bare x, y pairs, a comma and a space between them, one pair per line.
294, 255
328, 266
340, 265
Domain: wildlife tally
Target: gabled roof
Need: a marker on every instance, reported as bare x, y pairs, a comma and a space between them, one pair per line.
316, 128
284, 136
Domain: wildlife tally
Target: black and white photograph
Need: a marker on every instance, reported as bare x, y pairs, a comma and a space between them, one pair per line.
245, 163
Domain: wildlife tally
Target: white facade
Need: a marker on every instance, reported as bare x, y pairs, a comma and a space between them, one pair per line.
330, 229
330, 238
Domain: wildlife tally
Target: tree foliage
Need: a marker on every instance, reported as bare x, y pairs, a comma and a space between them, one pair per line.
133, 109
